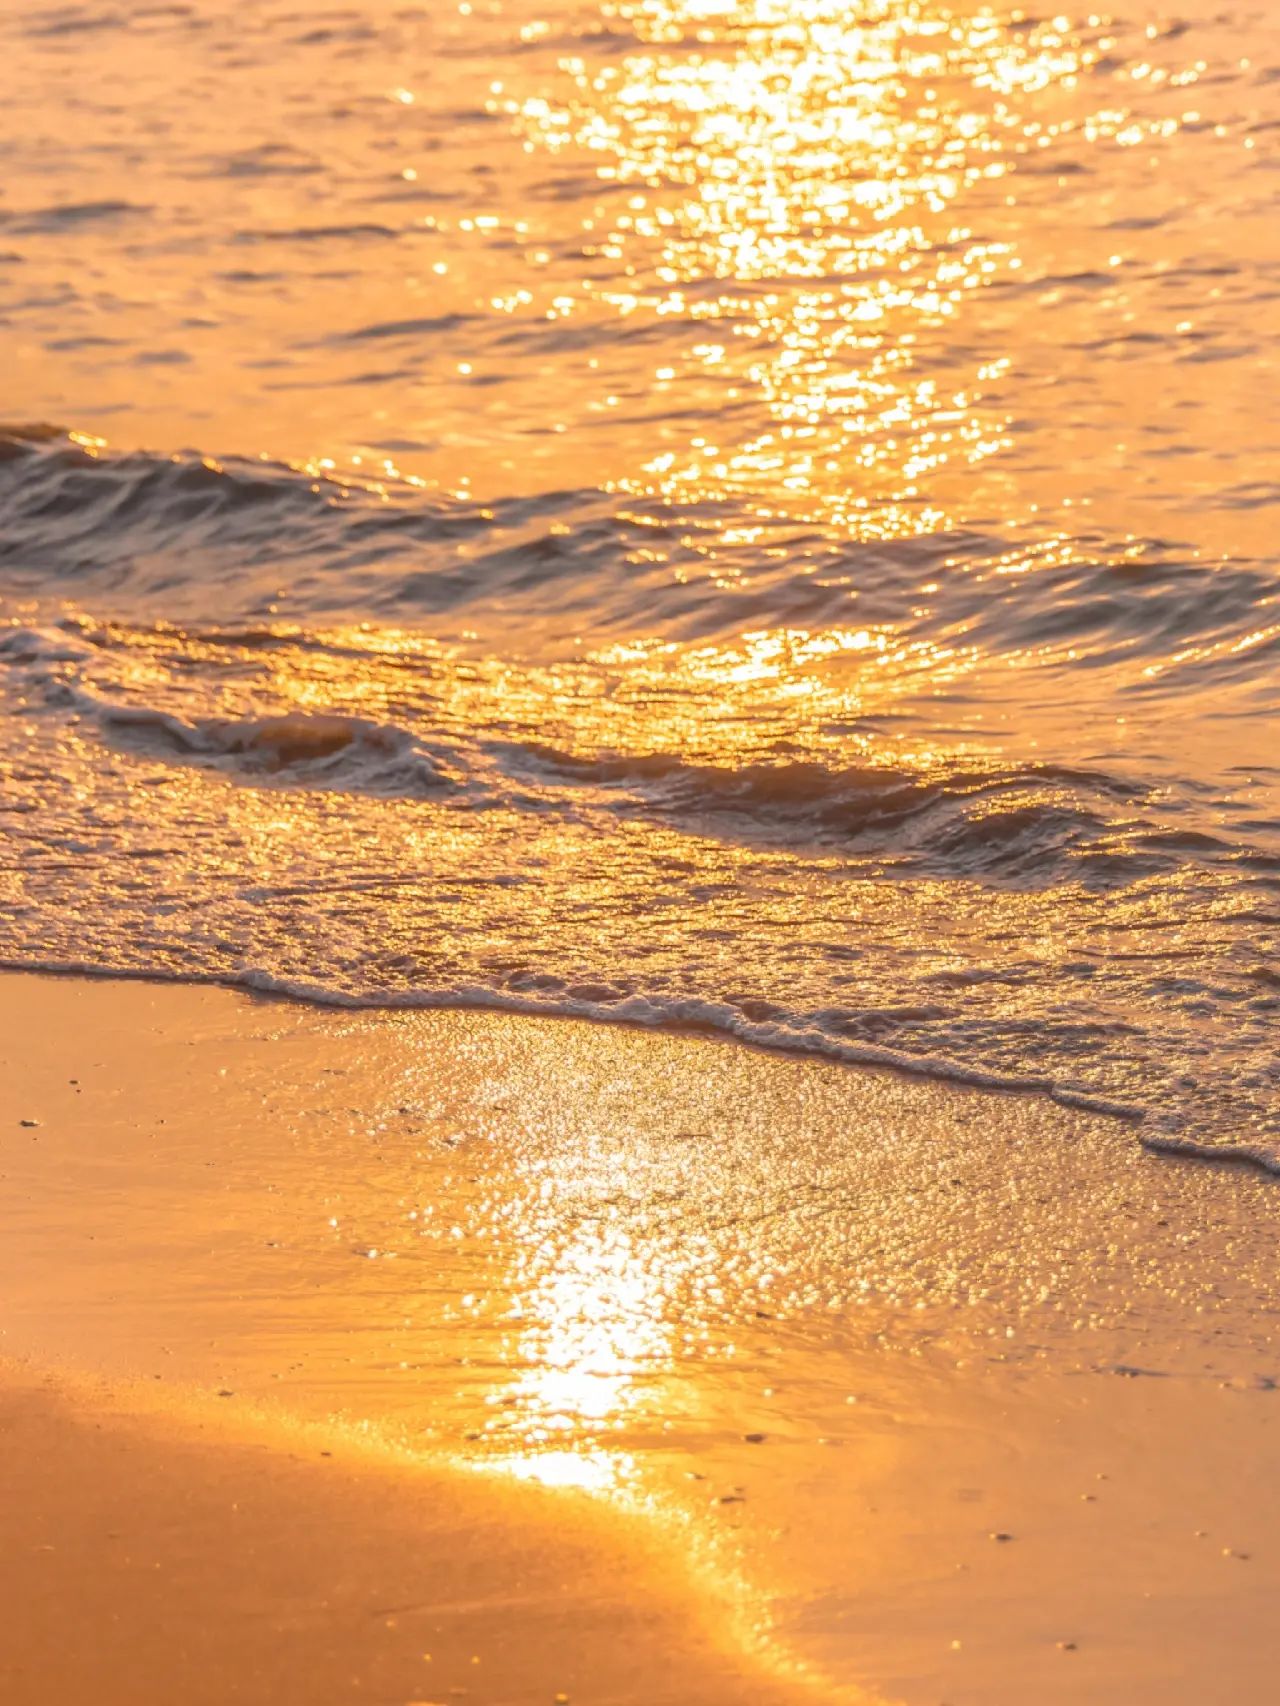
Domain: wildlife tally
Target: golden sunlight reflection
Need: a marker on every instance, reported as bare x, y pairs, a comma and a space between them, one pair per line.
594, 1348
597, 1327
584, 1471
899, 268
789, 181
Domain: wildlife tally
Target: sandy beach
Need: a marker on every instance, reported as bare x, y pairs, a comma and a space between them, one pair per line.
807, 1382
150, 1558
639, 854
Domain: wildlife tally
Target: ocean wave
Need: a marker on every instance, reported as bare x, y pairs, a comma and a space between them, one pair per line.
323, 751
238, 805
66, 217
85, 522
965, 820
1030, 825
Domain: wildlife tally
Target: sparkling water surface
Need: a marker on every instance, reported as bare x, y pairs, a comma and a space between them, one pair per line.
759, 516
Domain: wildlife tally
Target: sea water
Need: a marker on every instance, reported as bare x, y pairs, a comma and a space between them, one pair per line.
752, 514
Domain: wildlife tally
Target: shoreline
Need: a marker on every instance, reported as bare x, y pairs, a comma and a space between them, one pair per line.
799, 1342
747, 1034
930, 1068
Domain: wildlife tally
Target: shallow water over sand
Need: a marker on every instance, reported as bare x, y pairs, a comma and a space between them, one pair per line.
745, 515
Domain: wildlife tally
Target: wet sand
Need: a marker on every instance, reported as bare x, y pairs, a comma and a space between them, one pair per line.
149, 1558
633, 1366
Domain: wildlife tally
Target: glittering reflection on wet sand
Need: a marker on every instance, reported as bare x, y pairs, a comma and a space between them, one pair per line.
728, 1293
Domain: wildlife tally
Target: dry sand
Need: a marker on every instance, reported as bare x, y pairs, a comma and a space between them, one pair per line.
627, 1366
